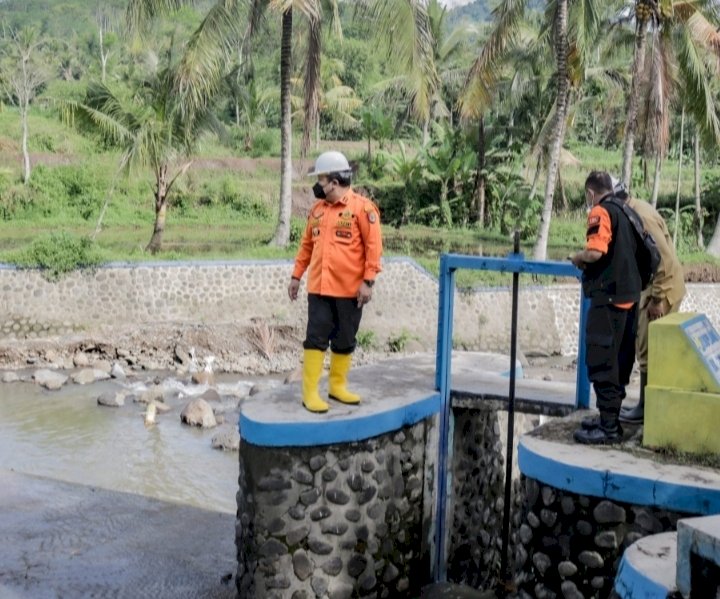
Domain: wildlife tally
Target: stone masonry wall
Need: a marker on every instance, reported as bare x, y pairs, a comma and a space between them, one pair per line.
335, 521
405, 300
477, 500
572, 544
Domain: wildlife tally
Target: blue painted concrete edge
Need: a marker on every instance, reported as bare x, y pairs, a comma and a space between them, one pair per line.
619, 487
630, 583
348, 430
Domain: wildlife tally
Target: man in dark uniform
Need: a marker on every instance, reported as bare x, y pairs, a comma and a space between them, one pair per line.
611, 280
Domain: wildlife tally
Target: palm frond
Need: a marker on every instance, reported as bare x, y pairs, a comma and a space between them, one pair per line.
140, 13
204, 62
660, 85
585, 25
405, 30
704, 32
312, 82
479, 87
698, 94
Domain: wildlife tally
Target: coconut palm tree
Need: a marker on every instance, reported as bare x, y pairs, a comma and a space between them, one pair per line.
201, 73
402, 28
441, 78
571, 30
336, 100
682, 33
153, 128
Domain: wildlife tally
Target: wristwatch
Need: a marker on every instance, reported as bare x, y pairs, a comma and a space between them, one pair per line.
368, 282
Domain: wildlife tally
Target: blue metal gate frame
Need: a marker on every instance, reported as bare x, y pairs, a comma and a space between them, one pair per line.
514, 263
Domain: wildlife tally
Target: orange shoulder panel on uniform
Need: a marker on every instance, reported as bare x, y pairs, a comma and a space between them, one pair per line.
599, 230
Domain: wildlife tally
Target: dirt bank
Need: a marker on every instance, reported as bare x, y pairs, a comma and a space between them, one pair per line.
255, 350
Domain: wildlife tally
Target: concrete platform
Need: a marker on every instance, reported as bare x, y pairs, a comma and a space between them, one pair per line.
701, 537
549, 455
647, 568
64, 540
394, 393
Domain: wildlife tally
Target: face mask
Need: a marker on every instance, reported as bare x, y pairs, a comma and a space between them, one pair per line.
319, 191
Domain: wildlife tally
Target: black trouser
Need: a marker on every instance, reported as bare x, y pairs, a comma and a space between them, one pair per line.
332, 321
610, 343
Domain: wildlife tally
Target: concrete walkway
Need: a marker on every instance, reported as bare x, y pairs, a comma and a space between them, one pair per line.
64, 540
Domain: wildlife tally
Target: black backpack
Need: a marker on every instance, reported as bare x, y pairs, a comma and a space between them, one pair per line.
647, 253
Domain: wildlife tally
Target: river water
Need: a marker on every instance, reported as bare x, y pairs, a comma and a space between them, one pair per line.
65, 435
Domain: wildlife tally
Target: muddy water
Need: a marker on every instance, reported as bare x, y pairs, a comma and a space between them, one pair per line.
65, 435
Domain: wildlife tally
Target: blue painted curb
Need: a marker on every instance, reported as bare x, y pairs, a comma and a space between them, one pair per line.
630, 583
619, 487
347, 430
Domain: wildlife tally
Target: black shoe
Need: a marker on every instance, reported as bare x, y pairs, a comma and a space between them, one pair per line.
590, 422
606, 433
634, 415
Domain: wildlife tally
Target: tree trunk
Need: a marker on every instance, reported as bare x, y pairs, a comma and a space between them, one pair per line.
656, 180
282, 231
679, 173
698, 204
558, 130
561, 189
24, 108
630, 121
237, 114
317, 134
480, 178
103, 55
311, 83
161, 191
713, 247
536, 176
426, 131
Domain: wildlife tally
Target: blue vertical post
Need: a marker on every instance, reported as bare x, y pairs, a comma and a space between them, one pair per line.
442, 382
582, 383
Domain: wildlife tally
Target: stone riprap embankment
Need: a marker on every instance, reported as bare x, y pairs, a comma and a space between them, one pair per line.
209, 294
332, 521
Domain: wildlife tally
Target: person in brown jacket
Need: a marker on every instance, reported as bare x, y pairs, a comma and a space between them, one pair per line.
340, 250
663, 296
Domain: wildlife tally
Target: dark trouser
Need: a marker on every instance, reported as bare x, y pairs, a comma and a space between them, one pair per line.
332, 321
610, 341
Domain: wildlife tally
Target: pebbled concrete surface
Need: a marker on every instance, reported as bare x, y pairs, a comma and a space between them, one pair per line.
65, 540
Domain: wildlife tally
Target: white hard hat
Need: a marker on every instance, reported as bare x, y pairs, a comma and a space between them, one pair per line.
330, 162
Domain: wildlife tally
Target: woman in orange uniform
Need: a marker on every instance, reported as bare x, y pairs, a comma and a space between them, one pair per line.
340, 250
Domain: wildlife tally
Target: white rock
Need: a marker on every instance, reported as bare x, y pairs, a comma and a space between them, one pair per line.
203, 378
292, 377
152, 394
112, 399
198, 413
49, 379
81, 360
117, 372
10, 377
89, 375
228, 439
211, 395
103, 365
150, 414
161, 408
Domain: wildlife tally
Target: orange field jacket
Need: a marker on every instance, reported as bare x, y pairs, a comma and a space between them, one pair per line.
341, 246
